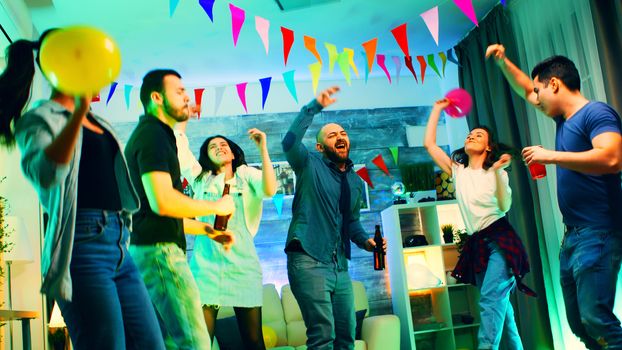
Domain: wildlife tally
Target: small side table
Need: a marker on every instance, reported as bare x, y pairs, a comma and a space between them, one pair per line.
25, 317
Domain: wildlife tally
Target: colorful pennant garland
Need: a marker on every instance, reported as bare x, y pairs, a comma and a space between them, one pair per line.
379, 162
265, 89
288, 77
401, 36
208, 7
288, 41
262, 26
380, 60
241, 88
364, 174
198, 98
310, 45
237, 21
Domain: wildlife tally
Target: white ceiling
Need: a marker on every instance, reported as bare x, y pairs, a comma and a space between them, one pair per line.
203, 51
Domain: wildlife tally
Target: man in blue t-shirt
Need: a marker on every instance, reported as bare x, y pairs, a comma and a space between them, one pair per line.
588, 156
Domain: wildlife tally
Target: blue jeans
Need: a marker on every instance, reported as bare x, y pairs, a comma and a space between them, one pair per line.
174, 294
326, 299
589, 263
496, 311
110, 307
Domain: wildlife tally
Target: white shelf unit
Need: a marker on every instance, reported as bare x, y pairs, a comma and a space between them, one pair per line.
433, 315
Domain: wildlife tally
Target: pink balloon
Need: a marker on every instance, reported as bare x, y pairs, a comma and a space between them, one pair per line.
460, 103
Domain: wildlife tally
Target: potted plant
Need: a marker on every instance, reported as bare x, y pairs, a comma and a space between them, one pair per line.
448, 233
460, 238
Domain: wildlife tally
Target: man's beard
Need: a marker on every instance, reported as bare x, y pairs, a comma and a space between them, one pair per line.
179, 114
334, 157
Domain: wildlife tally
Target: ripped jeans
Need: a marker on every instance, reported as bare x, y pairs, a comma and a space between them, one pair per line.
589, 266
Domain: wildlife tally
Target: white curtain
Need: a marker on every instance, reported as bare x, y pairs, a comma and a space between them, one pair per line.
543, 29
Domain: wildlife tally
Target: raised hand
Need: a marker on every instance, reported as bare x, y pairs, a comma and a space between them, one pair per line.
442, 104
325, 97
82, 106
497, 51
503, 162
258, 136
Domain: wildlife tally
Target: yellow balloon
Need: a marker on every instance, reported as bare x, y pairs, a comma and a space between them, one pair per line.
79, 60
269, 336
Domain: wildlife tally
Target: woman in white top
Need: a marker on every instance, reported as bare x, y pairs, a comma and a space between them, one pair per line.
231, 278
493, 258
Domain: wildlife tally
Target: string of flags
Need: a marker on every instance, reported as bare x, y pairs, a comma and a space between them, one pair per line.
344, 59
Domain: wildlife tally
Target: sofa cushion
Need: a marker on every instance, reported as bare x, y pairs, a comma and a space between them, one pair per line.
360, 315
272, 313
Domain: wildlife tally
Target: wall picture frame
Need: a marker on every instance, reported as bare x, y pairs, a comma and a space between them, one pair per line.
365, 205
285, 177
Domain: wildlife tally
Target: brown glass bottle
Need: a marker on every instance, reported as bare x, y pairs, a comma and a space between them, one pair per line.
220, 222
378, 250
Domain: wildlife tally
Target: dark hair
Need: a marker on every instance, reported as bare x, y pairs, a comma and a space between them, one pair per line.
496, 150
15, 84
154, 81
559, 67
208, 165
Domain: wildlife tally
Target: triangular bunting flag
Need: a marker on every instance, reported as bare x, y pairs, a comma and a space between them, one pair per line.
241, 87
288, 77
379, 162
423, 65
277, 199
370, 53
332, 56
288, 41
432, 64
401, 36
310, 45
95, 98
316, 69
127, 91
451, 58
113, 87
443, 59
172, 5
408, 61
265, 89
430, 17
219, 91
380, 60
350, 53
394, 153
208, 7
237, 20
366, 69
398, 67
466, 6
198, 98
344, 65
263, 28
364, 174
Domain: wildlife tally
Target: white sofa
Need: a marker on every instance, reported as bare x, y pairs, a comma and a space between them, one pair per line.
283, 315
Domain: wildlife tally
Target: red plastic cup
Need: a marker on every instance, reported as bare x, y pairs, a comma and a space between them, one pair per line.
537, 170
460, 103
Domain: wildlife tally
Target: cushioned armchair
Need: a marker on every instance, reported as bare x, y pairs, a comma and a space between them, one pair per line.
283, 315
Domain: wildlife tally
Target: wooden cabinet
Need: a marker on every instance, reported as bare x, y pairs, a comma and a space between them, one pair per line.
435, 314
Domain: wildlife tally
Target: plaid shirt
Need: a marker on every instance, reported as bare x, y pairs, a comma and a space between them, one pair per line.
475, 253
